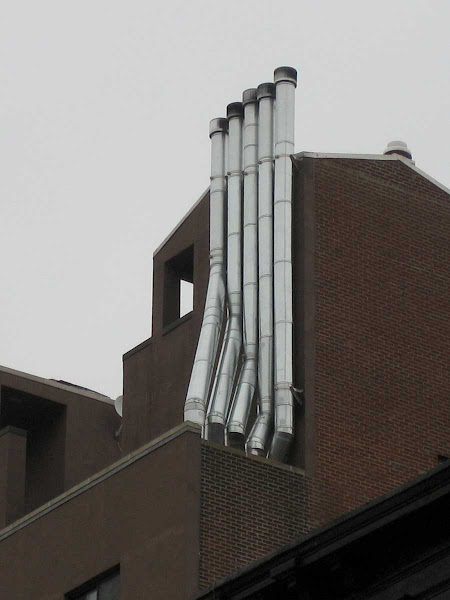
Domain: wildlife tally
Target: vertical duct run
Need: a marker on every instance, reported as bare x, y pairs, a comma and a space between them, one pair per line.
259, 300
197, 395
246, 387
226, 372
285, 82
258, 439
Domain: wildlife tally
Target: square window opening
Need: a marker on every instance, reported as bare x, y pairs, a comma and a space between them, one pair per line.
186, 297
178, 299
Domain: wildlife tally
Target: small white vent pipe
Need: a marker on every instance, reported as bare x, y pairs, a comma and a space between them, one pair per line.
197, 394
226, 372
246, 388
285, 83
258, 439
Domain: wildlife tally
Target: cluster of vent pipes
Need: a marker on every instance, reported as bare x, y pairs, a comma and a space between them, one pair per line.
251, 286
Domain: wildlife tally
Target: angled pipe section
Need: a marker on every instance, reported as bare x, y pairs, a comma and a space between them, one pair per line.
197, 394
285, 82
265, 319
258, 440
246, 387
226, 372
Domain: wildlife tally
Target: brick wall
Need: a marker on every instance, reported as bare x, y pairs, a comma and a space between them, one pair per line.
377, 241
249, 507
382, 336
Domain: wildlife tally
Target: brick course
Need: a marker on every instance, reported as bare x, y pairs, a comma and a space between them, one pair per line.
249, 507
379, 253
382, 334
371, 350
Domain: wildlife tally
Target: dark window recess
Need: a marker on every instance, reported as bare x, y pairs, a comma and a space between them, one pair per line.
178, 286
45, 424
442, 458
104, 587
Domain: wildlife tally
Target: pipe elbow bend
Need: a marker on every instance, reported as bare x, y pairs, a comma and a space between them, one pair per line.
281, 443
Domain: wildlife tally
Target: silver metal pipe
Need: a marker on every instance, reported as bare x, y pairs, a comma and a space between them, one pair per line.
257, 442
285, 83
246, 387
226, 372
196, 399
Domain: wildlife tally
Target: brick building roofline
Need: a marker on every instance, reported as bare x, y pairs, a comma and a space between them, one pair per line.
94, 480
299, 156
405, 161
74, 389
180, 223
337, 534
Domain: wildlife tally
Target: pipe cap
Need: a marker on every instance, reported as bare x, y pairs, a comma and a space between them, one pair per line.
398, 147
235, 109
285, 74
219, 125
249, 96
265, 90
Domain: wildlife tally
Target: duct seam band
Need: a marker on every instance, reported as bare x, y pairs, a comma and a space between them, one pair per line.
283, 260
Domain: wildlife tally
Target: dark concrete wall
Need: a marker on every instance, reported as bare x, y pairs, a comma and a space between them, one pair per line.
70, 436
156, 373
90, 442
144, 517
45, 460
13, 444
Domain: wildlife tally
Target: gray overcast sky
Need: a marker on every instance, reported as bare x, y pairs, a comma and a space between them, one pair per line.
104, 115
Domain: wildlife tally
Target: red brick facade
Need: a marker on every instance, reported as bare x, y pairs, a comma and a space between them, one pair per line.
249, 507
381, 326
371, 256
371, 341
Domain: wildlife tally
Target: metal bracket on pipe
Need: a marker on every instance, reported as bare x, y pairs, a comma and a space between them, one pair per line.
297, 394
